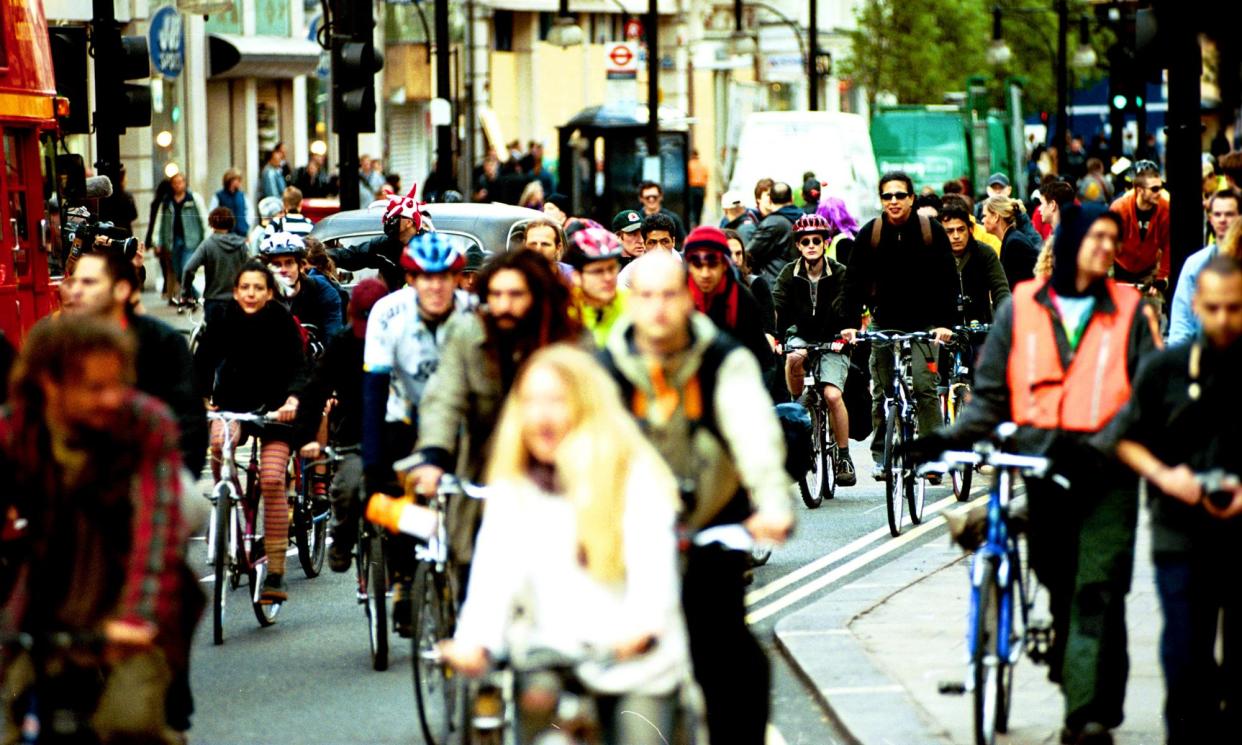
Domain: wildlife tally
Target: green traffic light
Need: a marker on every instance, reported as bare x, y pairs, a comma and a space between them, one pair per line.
1138, 101
1119, 101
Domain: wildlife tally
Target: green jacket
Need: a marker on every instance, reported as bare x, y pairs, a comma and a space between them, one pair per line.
193, 221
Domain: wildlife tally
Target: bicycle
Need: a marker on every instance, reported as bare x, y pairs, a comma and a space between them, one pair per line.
63, 689
235, 532
955, 395
1002, 590
900, 423
311, 511
819, 482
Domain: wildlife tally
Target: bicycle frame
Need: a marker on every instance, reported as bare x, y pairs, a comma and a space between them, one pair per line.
1001, 549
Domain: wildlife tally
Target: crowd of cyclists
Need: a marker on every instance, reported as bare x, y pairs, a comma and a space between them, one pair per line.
615, 389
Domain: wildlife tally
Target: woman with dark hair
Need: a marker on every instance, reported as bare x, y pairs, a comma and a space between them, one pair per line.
249, 359
758, 285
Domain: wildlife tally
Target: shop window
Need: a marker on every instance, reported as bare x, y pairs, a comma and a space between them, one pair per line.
502, 30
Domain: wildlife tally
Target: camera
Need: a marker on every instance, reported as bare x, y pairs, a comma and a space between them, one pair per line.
1218, 487
80, 234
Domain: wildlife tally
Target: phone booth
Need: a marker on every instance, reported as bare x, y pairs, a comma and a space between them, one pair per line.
27, 123
601, 164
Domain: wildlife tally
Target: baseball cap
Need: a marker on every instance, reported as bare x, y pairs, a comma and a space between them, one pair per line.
627, 221
732, 199
998, 179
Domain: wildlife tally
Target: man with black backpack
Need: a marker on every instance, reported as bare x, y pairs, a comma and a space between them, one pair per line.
902, 270
700, 398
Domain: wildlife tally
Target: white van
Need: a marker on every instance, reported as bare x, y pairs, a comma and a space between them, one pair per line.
783, 145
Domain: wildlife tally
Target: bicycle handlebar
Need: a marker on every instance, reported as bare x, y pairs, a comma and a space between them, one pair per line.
836, 345
896, 337
245, 417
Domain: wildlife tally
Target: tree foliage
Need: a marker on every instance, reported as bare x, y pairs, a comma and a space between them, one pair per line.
918, 51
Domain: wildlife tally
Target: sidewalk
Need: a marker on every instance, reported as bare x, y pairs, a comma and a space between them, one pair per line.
876, 651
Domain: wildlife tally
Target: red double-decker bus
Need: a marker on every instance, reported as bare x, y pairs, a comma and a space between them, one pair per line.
28, 129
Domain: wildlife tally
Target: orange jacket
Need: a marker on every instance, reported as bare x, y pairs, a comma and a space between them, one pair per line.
1084, 397
1138, 254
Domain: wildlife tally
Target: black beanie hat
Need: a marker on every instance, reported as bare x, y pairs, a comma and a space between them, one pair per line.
1076, 222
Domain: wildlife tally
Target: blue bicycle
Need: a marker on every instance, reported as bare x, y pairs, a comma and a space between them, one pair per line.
1002, 590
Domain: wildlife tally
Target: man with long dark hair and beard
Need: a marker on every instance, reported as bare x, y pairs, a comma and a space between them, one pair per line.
525, 308
92, 538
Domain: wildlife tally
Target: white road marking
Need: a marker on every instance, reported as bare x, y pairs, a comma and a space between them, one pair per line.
774, 736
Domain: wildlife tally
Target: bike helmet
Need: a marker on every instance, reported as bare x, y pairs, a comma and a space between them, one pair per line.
432, 253
399, 207
810, 224
590, 245
282, 244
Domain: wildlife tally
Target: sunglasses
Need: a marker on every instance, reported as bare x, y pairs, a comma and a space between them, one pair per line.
1154, 188
889, 196
700, 260
813, 240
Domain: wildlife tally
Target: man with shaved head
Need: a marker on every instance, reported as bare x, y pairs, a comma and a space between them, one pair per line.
700, 398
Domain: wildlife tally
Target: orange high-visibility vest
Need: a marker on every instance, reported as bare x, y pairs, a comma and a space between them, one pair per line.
1085, 397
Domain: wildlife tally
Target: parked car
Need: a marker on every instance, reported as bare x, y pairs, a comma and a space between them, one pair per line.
491, 227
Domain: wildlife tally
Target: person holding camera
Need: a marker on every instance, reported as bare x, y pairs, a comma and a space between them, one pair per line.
1180, 431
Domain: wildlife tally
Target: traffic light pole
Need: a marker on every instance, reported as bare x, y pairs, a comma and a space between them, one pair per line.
444, 132
812, 61
653, 79
106, 44
1183, 156
1062, 140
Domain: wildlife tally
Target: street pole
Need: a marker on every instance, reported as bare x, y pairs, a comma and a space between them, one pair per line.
1062, 83
812, 61
653, 81
106, 42
1183, 157
444, 132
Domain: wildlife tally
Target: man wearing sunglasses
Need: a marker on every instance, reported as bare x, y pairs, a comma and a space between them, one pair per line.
1143, 257
721, 297
651, 195
904, 272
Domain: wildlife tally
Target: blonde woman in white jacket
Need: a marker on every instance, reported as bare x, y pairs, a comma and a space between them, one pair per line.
578, 531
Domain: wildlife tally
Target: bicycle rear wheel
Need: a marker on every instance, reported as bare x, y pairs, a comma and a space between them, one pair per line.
376, 601
435, 688
221, 518
990, 671
817, 485
894, 487
310, 530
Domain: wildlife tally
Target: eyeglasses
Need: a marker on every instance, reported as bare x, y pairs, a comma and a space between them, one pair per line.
1146, 166
1153, 188
811, 240
699, 260
889, 196
649, 197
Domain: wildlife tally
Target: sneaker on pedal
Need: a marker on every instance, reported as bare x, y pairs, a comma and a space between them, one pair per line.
845, 471
274, 590
403, 609
340, 557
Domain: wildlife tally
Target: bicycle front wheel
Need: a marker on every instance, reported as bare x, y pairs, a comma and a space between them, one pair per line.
916, 490
310, 534
376, 601
221, 519
990, 670
894, 487
817, 483
434, 685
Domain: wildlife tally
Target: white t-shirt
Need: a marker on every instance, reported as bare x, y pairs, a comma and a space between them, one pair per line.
400, 344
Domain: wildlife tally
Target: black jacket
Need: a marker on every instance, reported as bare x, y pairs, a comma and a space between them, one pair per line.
1018, 256
983, 281
763, 298
748, 330
338, 373
166, 371
247, 362
817, 317
381, 252
1179, 430
909, 285
772, 245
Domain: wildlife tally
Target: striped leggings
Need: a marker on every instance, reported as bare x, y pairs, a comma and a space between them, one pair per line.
273, 469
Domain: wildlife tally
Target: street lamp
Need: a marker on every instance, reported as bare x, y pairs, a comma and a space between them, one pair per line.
1084, 55
999, 52
565, 32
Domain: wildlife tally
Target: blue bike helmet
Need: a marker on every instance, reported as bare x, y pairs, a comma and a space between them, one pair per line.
432, 253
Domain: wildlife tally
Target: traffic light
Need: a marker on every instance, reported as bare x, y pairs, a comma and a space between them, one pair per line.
354, 63
135, 100
69, 64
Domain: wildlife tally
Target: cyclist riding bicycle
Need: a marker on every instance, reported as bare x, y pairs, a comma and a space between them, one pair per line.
807, 297
404, 336
402, 221
595, 255
252, 358
312, 300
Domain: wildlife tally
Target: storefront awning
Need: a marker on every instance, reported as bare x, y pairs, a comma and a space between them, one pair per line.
269, 57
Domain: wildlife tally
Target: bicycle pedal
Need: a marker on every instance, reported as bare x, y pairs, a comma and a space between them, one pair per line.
952, 688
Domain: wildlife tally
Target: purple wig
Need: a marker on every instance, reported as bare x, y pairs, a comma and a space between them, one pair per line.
839, 218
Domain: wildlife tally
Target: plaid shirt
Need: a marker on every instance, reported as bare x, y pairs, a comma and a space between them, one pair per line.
152, 589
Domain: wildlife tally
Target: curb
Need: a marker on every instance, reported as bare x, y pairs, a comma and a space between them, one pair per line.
868, 706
